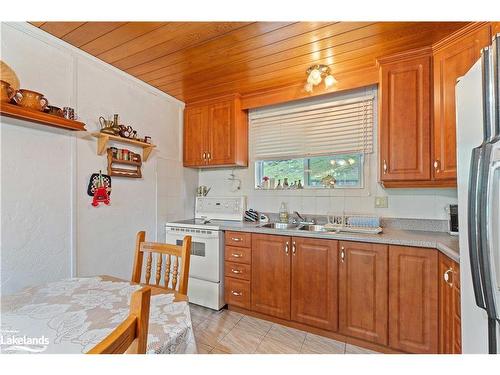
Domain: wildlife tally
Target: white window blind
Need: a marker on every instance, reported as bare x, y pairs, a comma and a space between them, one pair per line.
338, 126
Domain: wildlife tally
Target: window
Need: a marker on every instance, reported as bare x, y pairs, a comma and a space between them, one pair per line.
316, 172
322, 143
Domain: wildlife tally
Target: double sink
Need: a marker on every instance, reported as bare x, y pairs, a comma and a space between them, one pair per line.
290, 226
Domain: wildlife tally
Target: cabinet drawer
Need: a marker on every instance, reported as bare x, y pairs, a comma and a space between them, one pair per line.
239, 239
237, 270
237, 292
237, 254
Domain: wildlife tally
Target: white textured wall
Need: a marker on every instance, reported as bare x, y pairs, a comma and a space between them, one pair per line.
49, 229
403, 203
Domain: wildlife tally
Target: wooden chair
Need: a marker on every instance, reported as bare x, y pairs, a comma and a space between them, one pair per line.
183, 252
131, 335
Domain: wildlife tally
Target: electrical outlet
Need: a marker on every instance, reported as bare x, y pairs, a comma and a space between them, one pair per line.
381, 202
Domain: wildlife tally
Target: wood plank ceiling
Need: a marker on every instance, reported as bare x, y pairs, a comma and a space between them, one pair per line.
194, 60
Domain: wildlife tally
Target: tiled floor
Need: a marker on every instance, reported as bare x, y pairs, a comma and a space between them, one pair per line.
228, 332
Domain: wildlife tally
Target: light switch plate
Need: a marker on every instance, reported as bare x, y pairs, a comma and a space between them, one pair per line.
381, 202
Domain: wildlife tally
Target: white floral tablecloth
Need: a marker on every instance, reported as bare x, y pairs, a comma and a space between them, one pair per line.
73, 315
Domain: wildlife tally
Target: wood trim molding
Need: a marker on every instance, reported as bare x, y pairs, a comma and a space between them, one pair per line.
419, 184
405, 55
212, 99
346, 81
459, 34
495, 28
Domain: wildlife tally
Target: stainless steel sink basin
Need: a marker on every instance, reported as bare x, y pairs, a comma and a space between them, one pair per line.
280, 226
312, 228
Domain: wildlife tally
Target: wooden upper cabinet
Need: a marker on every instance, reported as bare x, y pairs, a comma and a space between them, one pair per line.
195, 136
450, 334
413, 299
363, 286
314, 282
453, 57
216, 133
404, 131
270, 293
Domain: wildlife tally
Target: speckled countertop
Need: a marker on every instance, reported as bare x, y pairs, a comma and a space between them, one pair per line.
443, 242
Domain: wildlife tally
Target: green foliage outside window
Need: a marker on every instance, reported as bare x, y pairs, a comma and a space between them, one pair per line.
346, 169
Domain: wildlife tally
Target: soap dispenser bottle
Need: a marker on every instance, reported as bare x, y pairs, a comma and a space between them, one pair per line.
283, 213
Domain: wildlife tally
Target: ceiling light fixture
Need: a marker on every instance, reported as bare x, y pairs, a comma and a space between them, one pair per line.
316, 74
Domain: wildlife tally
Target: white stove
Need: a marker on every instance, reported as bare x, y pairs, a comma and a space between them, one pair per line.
206, 274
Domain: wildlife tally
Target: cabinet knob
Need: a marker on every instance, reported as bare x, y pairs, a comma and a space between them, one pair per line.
204, 156
209, 156
436, 165
385, 167
447, 277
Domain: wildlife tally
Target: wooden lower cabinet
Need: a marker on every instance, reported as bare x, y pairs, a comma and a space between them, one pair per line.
449, 306
271, 275
363, 291
413, 299
314, 282
387, 298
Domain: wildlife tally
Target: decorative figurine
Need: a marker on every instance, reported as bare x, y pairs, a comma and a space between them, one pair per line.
100, 189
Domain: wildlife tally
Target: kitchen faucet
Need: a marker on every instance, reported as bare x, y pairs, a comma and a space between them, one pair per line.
302, 220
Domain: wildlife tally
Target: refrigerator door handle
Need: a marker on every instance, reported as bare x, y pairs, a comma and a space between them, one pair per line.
484, 245
472, 227
492, 247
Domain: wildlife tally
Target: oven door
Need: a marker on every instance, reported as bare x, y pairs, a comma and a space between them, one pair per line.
205, 251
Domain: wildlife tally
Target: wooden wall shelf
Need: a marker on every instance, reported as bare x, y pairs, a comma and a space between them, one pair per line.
14, 111
102, 141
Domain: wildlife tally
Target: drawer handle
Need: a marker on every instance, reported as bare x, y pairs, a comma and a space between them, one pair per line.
235, 239
385, 167
342, 254
236, 271
236, 293
234, 255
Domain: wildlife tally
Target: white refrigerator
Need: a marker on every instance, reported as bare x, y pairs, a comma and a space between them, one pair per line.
478, 157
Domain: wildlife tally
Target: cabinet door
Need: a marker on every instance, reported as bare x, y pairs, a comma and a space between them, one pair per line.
413, 299
449, 306
271, 275
314, 282
363, 296
221, 137
451, 63
404, 134
195, 136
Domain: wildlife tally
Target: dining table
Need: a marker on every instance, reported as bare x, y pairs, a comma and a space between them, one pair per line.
73, 315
